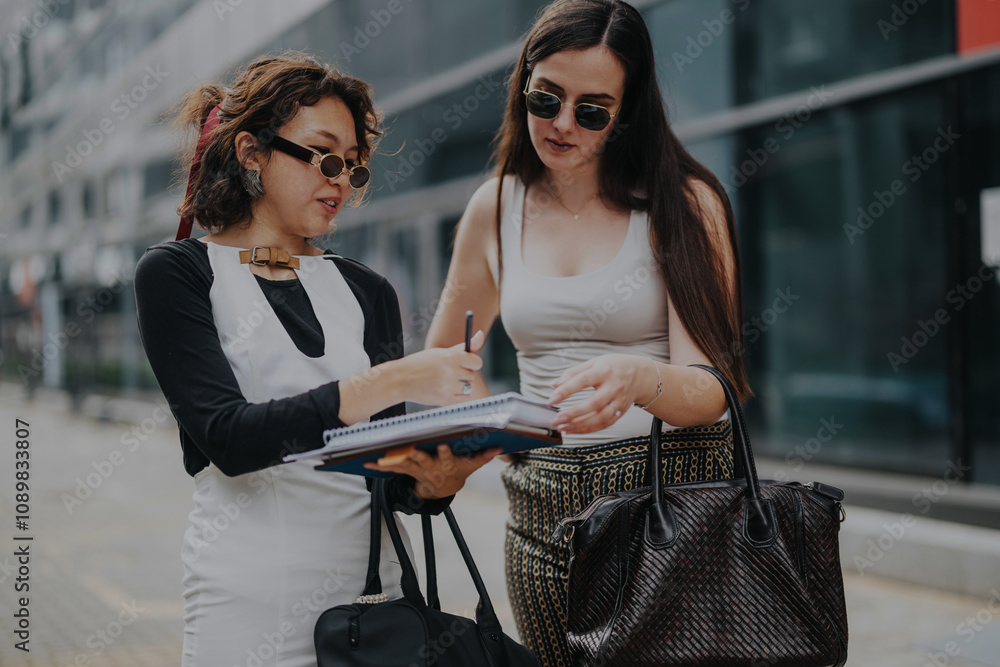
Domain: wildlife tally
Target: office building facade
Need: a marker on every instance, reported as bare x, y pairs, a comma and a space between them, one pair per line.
859, 142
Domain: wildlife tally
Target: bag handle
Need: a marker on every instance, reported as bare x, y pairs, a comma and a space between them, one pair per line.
433, 601
486, 618
373, 581
760, 523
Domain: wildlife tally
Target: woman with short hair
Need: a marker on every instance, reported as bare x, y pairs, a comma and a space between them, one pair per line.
260, 341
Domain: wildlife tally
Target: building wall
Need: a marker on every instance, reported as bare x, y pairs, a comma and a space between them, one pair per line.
854, 141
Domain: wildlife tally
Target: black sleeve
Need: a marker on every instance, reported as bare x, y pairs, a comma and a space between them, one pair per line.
384, 337
179, 335
384, 342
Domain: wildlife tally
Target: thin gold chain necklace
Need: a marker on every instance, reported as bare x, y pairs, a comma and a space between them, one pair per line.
576, 213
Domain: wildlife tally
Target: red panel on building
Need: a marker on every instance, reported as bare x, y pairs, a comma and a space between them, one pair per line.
978, 24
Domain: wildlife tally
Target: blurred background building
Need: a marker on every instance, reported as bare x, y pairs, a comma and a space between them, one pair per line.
859, 141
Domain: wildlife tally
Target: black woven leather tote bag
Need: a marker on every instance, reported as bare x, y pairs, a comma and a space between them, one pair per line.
731, 572
410, 632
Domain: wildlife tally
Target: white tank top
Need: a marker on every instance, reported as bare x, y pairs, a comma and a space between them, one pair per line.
558, 322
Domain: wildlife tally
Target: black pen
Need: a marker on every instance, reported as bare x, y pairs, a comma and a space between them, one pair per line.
468, 331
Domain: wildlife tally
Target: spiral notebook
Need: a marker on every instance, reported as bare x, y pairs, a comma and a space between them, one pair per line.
509, 421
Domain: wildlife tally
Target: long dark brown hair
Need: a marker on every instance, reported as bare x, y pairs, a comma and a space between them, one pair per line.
644, 167
266, 95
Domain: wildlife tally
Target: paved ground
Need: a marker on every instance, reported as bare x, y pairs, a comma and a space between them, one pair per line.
105, 567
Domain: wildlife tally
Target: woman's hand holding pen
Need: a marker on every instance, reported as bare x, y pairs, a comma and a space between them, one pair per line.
438, 376
618, 380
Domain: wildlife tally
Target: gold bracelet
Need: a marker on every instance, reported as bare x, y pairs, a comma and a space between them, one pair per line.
659, 387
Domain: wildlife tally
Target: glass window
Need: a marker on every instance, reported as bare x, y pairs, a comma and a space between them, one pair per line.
128, 33
979, 102
790, 45
55, 208
393, 44
156, 177
356, 242
25, 220
403, 272
444, 139
446, 231
87, 200
693, 41
717, 156
20, 139
117, 190
843, 234
65, 11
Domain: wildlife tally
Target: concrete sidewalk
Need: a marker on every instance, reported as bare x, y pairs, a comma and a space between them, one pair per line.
107, 529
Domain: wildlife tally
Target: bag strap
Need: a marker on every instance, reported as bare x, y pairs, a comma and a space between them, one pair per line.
430, 562
373, 582
488, 625
486, 616
760, 526
408, 582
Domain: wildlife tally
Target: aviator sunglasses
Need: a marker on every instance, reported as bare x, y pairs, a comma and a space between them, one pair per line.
330, 165
547, 106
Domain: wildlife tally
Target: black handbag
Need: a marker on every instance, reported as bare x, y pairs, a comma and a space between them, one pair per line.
408, 631
730, 572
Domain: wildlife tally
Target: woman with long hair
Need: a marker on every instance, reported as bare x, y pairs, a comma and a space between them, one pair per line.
610, 254
260, 341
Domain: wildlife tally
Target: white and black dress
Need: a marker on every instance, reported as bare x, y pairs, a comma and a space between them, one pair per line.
250, 369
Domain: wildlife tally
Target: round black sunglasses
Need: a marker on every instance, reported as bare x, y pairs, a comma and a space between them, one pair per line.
547, 106
330, 165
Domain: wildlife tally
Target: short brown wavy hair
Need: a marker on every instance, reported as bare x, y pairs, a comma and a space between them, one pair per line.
265, 96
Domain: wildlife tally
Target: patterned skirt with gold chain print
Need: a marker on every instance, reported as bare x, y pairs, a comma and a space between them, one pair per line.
546, 485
